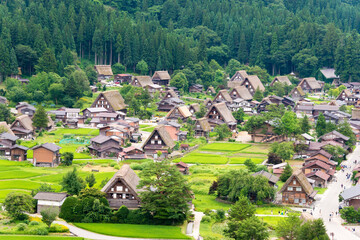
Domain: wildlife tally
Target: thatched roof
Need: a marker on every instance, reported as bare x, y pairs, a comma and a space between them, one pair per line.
143, 80
211, 89
329, 73
281, 79
163, 75
239, 76
355, 115
312, 82
104, 70
115, 99
183, 110
243, 92
301, 178
298, 89
25, 121
195, 106
5, 126
170, 94
204, 124
225, 95
127, 176
255, 82
164, 135
347, 93
224, 112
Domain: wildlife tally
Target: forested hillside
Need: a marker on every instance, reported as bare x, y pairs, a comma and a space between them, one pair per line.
278, 35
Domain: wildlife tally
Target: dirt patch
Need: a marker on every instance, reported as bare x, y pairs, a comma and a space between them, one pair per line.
89, 168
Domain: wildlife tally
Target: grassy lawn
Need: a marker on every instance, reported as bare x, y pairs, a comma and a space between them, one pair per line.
203, 158
224, 147
320, 190
212, 230
148, 129
204, 201
78, 131
266, 210
133, 230
257, 149
271, 221
28, 237
241, 160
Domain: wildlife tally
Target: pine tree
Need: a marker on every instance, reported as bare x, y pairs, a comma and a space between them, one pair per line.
47, 62
202, 49
320, 127
305, 125
40, 119
286, 173
243, 54
258, 95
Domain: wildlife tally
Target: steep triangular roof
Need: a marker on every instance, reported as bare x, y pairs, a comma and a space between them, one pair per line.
127, 176
6, 127
170, 94
114, 98
225, 95
239, 76
183, 110
25, 122
195, 106
255, 82
298, 89
281, 79
163, 75
164, 135
224, 112
204, 124
104, 70
243, 92
301, 178
312, 82
143, 80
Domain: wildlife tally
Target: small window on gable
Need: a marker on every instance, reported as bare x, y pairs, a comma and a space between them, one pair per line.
119, 188
294, 182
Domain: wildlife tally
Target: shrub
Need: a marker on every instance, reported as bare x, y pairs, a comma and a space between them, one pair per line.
34, 223
48, 216
206, 219
122, 214
220, 215
58, 228
207, 212
41, 229
21, 227
66, 211
113, 164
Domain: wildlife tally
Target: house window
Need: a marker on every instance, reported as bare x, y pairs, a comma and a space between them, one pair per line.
303, 200
290, 188
294, 182
124, 196
156, 137
296, 200
159, 142
298, 189
119, 188
114, 195
152, 142
126, 189
112, 189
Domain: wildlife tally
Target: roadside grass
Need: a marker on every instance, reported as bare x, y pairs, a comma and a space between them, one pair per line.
203, 158
134, 230
280, 184
224, 147
36, 237
241, 160
141, 126
204, 201
320, 190
266, 210
271, 221
148, 129
212, 230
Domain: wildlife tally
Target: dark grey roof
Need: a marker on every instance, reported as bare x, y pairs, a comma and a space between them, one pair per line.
8, 136
352, 192
272, 178
20, 147
100, 139
49, 146
57, 112
50, 196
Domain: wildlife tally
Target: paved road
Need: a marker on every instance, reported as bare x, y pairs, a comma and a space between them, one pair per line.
329, 202
196, 231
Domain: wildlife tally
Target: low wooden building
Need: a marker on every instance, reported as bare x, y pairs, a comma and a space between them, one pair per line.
196, 88
18, 153
310, 85
219, 114
51, 200
141, 81
169, 101
25, 108
178, 112
161, 78
111, 101
348, 97
132, 153
104, 72
22, 127
46, 155
297, 93
272, 179
123, 78
351, 196
122, 189
104, 146
202, 128
297, 190
183, 167
281, 79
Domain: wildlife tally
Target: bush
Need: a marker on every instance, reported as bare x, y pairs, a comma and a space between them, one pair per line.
34, 223
206, 219
41, 229
113, 164
58, 228
21, 227
122, 214
66, 211
48, 216
117, 167
220, 215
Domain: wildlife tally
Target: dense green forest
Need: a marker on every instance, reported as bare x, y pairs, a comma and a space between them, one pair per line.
278, 35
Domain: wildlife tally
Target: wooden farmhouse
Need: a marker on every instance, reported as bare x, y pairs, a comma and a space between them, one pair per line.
240, 92
334, 136
161, 78
46, 155
196, 88
318, 171
25, 108
122, 189
208, 103
141, 81
223, 96
330, 76
123, 78
132, 153
266, 134
211, 90
310, 85
297, 93
351, 196
104, 72
297, 190
281, 79
22, 127
348, 97
169, 101
104, 146
178, 112
194, 107
51, 200
7, 140
158, 141
237, 79
111, 101
202, 128
272, 179
18, 153
93, 111
252, 83
183, 167
219, 114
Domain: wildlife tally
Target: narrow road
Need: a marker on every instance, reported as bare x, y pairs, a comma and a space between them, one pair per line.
329, 202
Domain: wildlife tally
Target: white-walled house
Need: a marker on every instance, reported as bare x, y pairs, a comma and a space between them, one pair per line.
49, 200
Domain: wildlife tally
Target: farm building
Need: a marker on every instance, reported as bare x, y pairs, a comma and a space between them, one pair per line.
104, 72
158, 141
111, 101
161, 78
46, 155
49, 200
